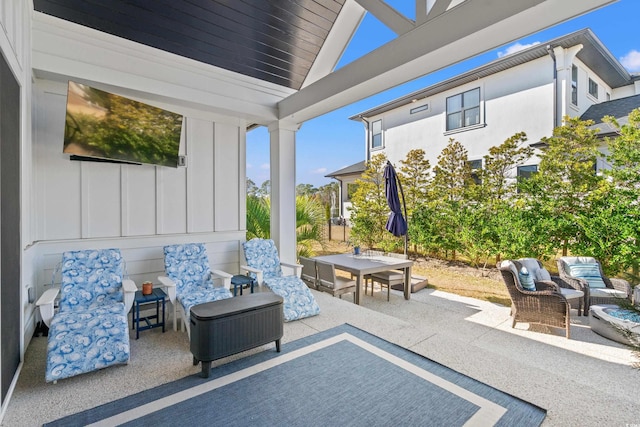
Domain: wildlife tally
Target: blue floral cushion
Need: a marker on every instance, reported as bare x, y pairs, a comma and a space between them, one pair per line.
263, 255
84, 341
298, 299
526, 280
588, 271
91, 279
188, 266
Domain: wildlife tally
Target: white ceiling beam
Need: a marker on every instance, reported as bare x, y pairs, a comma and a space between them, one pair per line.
337, 41
466, 30
390, 17
438, 8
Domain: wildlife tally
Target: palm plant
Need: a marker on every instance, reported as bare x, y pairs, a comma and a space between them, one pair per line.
309, 221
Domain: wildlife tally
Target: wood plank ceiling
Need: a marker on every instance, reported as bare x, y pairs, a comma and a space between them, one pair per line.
275, 41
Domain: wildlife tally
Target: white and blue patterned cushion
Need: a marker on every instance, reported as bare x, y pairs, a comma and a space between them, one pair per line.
262, 254
90, 279
188, 266
299, 302
526, 280
86, 341
90, 331
588, 271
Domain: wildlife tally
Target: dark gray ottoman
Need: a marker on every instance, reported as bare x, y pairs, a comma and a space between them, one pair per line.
229, 326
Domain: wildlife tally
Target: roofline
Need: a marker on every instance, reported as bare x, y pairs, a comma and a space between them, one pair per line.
619, 75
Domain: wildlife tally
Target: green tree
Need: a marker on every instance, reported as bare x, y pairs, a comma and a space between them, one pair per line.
369, 209
415, 176
565, 179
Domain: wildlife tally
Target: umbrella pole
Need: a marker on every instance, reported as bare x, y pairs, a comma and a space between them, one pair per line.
406, 218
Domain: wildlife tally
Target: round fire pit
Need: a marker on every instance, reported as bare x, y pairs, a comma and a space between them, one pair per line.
608, 319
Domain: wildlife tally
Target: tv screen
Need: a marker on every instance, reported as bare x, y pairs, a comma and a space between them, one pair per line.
103, 126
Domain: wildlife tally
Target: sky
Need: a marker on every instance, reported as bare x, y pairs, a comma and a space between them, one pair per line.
332, 141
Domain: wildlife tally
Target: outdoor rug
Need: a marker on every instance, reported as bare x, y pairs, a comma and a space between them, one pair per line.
342, 376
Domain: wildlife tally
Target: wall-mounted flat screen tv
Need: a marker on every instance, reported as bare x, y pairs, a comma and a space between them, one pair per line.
102, 126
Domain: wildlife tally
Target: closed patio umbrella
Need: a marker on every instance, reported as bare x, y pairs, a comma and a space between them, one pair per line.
396, 224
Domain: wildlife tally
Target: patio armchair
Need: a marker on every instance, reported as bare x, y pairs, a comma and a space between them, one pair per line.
539, 273
329, 282
264, 265
189, 280
586, 273
90, 329
544, 306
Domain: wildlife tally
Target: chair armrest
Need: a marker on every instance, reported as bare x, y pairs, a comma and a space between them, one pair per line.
169, 287
258, 273
226, 277
46, 304
547, 285
621, 285
129, 288
297, 268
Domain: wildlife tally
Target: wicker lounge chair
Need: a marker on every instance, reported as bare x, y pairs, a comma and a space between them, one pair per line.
594, 294
544, 306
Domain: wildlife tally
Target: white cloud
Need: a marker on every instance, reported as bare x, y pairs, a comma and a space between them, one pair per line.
516, 47
631, 61
264, 166
319, 171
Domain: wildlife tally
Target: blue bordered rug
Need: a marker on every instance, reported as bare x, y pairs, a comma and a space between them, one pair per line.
342, 376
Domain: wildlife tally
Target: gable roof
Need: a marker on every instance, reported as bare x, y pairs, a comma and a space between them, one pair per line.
354, 169
593, 54
618, 108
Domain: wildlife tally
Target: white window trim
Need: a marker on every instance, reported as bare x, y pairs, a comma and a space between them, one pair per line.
381, 147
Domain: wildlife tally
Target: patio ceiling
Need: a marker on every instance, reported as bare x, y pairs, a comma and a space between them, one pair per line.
284, 52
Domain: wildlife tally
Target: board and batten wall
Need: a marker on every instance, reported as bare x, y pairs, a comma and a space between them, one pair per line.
137, 208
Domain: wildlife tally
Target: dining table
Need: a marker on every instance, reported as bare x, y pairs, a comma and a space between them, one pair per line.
364, 264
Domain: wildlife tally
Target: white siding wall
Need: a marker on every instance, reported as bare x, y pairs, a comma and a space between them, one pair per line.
517, 100
138, 209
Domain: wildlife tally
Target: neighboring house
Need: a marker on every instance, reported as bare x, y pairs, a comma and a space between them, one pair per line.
529, 91
347, 177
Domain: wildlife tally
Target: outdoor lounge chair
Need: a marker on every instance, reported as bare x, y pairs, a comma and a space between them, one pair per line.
544, 306
586, 273
265, 266
189, 280
90, 330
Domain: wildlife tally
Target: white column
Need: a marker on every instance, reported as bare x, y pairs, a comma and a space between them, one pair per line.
282, 137
564, 62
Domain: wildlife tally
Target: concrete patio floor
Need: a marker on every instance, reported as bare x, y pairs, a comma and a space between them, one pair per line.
585, 381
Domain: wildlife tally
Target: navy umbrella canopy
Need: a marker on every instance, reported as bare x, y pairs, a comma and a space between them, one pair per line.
396, 223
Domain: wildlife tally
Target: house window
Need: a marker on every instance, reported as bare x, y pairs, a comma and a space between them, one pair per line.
593, 89
351, 190
525, 172
424, 107
574, 85
608, 96
475, 166
376, 134
463, 109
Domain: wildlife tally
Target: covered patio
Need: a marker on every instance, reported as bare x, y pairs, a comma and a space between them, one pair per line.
587, 380
224, 79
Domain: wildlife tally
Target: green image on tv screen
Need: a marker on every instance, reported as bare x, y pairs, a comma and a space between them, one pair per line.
103, 125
